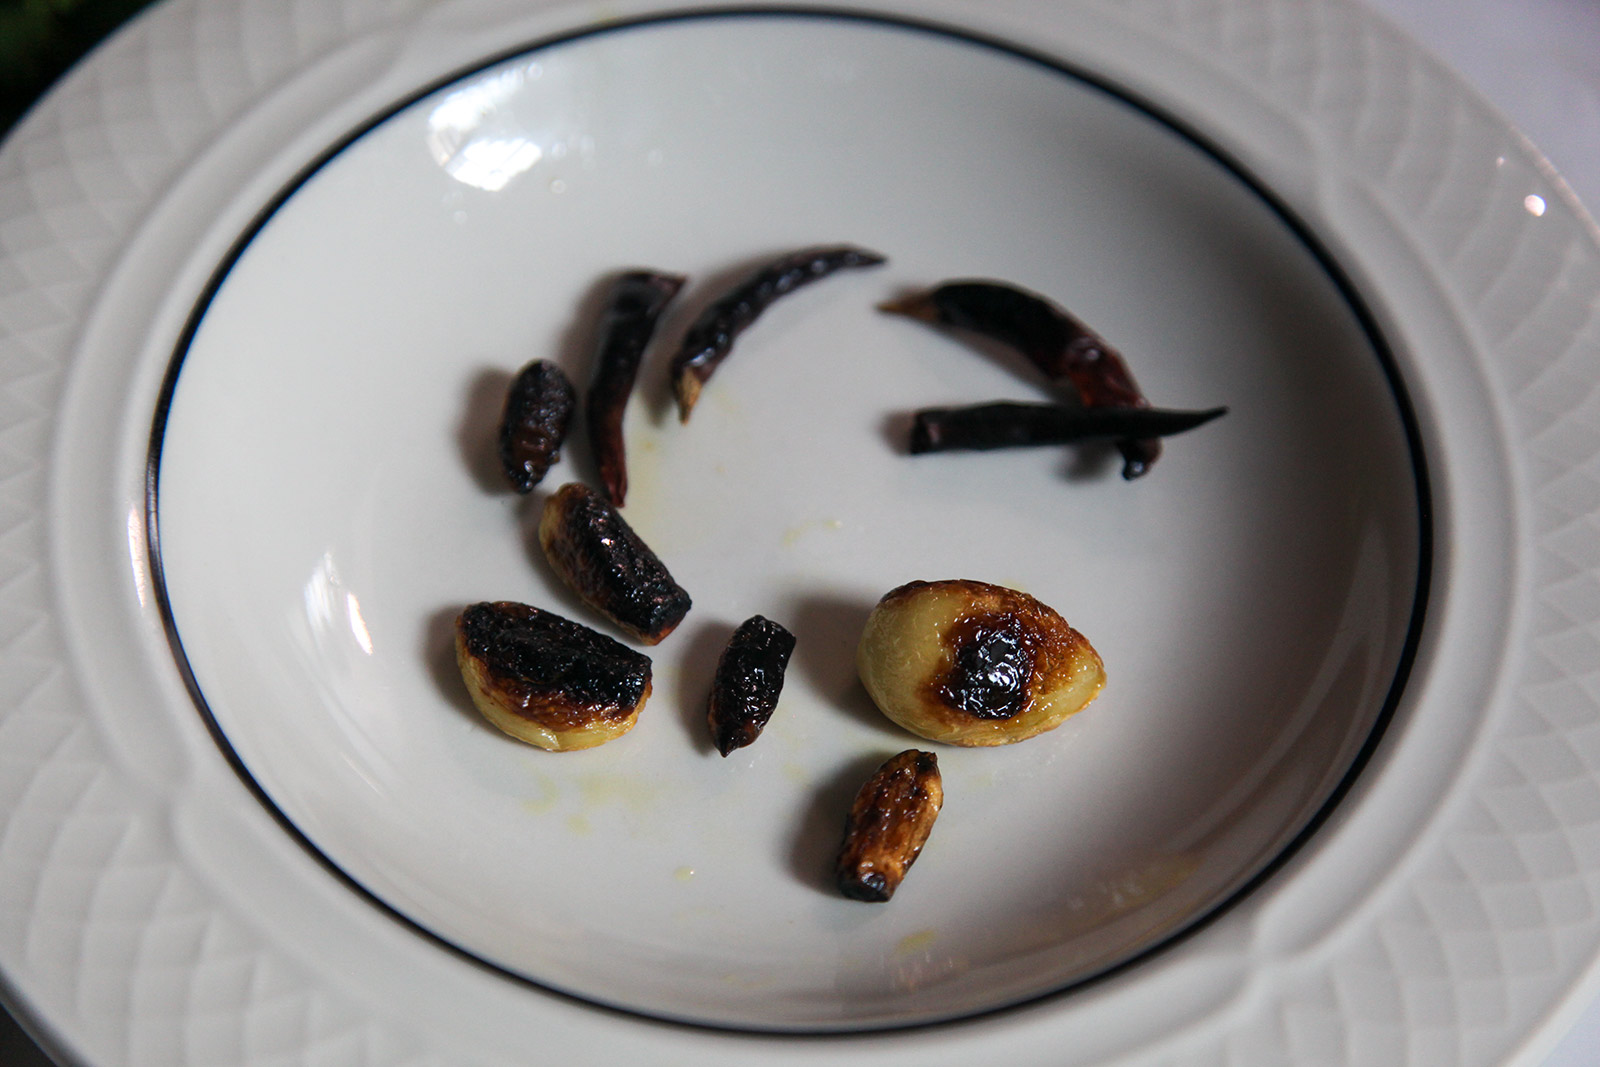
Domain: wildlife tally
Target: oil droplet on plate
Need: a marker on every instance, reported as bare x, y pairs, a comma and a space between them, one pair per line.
683, 874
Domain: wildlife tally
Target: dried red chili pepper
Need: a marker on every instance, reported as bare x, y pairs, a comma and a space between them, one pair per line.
1062, 347
634, 303
1012, 425
710, 337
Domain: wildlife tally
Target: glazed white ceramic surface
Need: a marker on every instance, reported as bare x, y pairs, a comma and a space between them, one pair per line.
324, 512
154, 911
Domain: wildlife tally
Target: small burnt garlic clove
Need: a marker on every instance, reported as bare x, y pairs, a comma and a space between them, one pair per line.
889, 822
749, 679
534, 424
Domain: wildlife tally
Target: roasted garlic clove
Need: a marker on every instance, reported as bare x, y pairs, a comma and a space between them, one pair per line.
598, 555
969, 663
889, 822
538, 409
547, 680
749, 678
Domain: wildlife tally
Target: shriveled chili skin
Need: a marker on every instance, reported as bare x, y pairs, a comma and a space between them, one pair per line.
749, 679
1053, 340
710, 337
538, 410
1006, 424
633, 307
608, 565
888, 824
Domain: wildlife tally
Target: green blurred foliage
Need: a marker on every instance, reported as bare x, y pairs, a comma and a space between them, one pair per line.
40, 39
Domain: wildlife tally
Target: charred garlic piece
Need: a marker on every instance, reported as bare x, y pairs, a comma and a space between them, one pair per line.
547, 680
749, 678
598, 555
888, 824
538, 410
969, 663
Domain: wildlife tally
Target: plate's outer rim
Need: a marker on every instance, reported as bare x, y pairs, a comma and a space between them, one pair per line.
133, 948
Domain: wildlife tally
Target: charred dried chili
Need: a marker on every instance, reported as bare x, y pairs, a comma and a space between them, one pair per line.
608, 565
749, 678
888, 824
1062, 347
1013, 425
710, 337
634, 304
538, 409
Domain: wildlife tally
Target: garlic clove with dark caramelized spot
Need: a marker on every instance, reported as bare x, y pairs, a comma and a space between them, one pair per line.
970, 663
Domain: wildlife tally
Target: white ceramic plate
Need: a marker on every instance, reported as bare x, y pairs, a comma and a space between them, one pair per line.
324, 512
342, 857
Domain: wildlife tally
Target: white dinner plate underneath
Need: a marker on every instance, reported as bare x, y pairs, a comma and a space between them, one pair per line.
293, 255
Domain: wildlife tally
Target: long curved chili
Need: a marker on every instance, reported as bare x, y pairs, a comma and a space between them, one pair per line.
710, 337
1013, 425
1053, 340
634, 303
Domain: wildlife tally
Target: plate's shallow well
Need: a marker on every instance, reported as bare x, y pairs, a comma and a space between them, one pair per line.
327, 504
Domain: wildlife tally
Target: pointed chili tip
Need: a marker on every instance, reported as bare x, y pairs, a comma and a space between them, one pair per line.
686, 389
918, 306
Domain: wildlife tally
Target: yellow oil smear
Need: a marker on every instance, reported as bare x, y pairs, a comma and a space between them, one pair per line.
983, 779
683, 874
578, 824
793, 535
916, 942
545, 800
597, 790
797, 773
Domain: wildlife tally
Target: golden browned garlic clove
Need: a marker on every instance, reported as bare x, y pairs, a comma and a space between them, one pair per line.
547, 680
969, 663
889, 822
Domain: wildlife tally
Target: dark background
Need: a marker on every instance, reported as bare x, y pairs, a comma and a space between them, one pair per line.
39, 41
